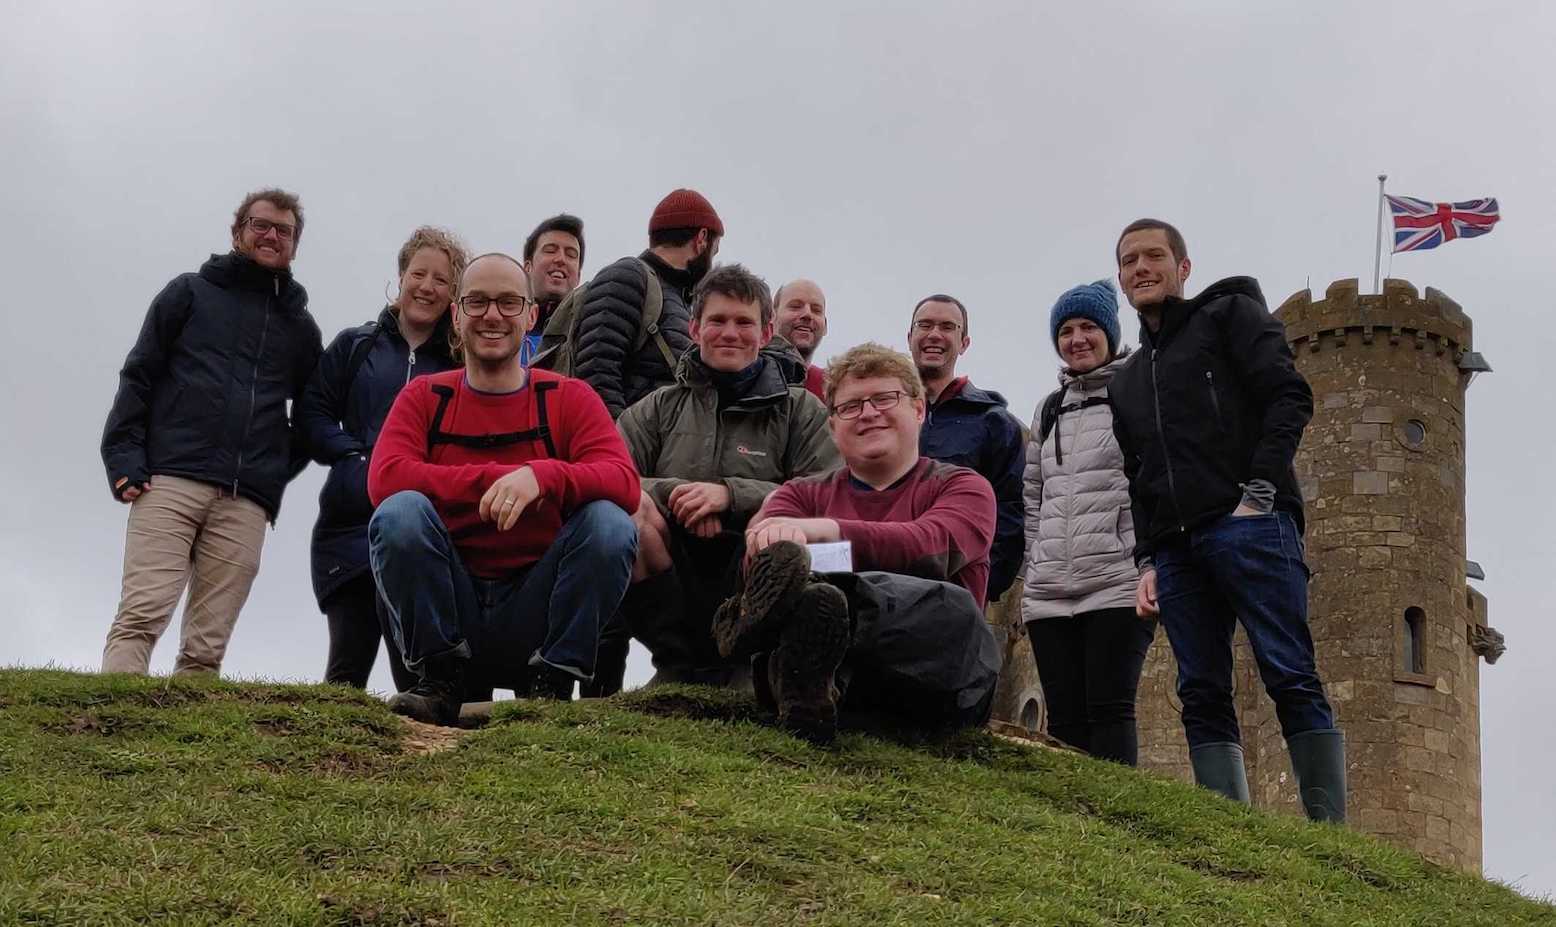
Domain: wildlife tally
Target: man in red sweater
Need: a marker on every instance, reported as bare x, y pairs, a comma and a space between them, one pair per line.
502, 537
903, 632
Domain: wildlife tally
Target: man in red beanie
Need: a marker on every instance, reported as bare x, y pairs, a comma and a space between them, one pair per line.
613, 350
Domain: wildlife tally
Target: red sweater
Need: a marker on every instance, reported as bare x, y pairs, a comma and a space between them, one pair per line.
816, 382
591, 462
936, 522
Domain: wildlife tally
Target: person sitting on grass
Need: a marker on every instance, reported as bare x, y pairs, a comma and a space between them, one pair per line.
502, 538
901, 634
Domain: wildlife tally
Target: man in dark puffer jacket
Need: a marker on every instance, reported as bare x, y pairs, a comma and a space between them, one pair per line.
1208, 415
199, 441
683, 237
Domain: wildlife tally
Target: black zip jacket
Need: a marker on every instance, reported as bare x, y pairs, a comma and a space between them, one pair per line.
609, 320
1212, 400
339, 417
203, 393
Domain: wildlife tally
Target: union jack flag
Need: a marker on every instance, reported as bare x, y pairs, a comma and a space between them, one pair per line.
1419, 225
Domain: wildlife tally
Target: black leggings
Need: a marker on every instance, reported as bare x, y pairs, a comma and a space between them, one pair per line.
1089, 666
356, 625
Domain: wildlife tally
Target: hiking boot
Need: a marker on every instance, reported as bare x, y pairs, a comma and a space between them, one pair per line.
802, 672
753, 621
552, 684
1318, 760
437, 695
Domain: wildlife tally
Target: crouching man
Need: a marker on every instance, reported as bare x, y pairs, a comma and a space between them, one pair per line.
710, 449
502, 538
903, 633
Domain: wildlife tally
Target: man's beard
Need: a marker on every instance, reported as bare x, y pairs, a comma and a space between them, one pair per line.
699, 266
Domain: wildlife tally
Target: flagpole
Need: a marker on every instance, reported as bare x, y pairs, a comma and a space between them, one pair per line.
1377, 238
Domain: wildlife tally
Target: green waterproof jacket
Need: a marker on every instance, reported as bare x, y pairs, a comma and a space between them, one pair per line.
774, 433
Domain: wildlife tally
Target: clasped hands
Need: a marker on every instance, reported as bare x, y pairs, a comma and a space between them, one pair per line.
508, 496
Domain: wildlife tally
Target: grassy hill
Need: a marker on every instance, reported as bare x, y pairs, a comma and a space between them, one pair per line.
192, 802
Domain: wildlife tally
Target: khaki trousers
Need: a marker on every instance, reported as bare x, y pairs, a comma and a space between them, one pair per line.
184, 533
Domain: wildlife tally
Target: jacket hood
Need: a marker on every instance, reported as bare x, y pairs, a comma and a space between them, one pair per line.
389, 321
1231, 286
1175, 310
1098, 377
779, 361
234, 271
675, 276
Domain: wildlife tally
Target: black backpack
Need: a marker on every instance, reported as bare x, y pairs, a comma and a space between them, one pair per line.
1055, 406
559, 341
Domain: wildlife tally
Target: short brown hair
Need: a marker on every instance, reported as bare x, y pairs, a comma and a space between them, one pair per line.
429, 236
737, 283
276, 197
940, 298
1175, 242
873, 360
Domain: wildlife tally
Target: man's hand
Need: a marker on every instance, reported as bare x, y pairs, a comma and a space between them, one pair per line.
705, 528
128, 494
690, 503
508, 497
1145, 595
770, 531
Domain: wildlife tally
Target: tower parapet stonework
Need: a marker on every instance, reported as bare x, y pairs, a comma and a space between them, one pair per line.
1397, 629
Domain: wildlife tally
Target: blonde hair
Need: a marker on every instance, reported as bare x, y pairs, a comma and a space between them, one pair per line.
872, 360
430, 236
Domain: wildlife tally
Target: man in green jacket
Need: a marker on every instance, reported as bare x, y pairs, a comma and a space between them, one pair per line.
733, 427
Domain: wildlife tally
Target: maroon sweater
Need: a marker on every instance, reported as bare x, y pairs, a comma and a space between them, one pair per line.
937, 522
591, 462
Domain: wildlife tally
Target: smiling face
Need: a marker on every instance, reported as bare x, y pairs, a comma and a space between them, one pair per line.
1083, 346
426, 288
729, 333
936, 339
801, 316
876, 439
271, 250
491, 339
555, 267
1147, 270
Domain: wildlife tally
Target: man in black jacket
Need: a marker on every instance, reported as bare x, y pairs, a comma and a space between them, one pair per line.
199, 440
683, 237
1209, 414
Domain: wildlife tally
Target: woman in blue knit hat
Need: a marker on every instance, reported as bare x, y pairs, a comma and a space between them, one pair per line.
1079, 598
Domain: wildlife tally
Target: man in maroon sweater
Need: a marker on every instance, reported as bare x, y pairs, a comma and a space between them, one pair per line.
502, 538
903, 632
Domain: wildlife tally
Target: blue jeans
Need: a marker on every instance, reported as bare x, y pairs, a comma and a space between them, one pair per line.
550, 612
1250, 569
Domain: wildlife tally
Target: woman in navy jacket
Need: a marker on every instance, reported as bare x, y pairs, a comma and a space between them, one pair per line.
340, 413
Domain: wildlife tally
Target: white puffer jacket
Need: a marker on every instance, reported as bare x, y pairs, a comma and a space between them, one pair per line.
1079, 531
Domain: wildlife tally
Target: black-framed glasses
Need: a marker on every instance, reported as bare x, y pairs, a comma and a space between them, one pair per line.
261, 227
507, 304
880, 402
928, 325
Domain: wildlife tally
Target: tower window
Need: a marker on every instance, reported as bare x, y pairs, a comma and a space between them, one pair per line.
1413, 434
1413, 659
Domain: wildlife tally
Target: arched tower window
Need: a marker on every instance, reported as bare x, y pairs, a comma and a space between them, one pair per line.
1413, 658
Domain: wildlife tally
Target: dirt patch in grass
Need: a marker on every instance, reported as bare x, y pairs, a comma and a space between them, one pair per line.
420, 739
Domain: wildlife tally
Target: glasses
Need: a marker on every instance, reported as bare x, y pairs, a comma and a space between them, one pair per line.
509, 305
262, 227
928, 325
880, 402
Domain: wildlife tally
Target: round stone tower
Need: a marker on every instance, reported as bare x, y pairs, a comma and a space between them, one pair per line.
1398, 631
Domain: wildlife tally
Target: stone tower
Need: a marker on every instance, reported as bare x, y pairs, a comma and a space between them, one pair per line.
1398, 631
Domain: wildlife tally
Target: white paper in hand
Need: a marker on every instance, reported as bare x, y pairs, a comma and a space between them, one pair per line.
836, 557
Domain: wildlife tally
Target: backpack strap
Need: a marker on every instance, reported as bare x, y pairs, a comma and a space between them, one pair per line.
1055, 406
653, 308
541, 432
359, 352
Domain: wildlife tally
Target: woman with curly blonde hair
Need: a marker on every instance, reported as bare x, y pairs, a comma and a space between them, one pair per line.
340, 414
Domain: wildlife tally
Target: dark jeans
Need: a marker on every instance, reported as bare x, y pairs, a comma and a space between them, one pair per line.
921, 651
356, 626
672, 613
1089, 665
550, 612
1249, 569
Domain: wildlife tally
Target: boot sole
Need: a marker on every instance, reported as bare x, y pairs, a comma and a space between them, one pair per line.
813, 646
754, 620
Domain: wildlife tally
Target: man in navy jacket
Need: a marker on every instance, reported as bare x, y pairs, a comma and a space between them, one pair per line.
199, 442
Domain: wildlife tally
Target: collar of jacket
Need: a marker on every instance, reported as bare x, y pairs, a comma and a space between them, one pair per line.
1092, 379
437, 342
1175, 310
961, 390
768, 386
234, 271
677, 277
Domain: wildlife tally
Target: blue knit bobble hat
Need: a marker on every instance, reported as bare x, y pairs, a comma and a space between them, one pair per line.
1094, 301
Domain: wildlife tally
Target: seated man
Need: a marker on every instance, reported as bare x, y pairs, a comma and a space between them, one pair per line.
502, 537
903, 633
710, 449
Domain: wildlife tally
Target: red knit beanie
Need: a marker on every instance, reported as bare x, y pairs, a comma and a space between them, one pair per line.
685, 209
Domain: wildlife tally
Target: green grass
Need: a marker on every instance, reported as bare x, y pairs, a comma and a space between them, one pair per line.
127, 800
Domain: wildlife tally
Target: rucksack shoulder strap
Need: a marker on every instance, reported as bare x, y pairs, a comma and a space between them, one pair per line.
653, 308
541, 432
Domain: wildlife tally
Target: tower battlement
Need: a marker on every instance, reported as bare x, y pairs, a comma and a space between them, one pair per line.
1399, 313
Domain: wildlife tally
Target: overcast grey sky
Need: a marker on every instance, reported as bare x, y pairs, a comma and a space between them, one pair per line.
887, 150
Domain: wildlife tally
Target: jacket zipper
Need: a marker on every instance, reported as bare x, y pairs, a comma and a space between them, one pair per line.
1215, 401
1161, 435
410, 368
259, 358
